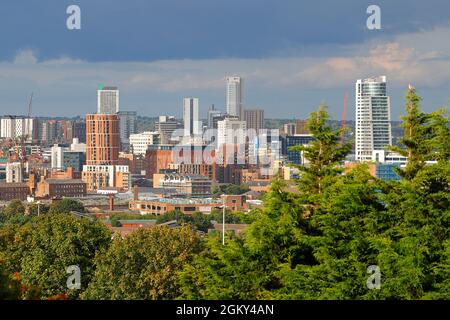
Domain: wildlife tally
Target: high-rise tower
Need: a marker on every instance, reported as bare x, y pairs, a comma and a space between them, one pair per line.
373, 117
235, 96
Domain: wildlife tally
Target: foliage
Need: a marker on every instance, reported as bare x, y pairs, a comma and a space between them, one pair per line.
12, 288
425, 137
203, 222
197, 220
323, 154
230, 189
143, 265
66, 205
35, 208
15, 207
319, 242
232, 216
42, 249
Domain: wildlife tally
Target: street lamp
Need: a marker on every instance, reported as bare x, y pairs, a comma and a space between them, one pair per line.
39, 207
223, 220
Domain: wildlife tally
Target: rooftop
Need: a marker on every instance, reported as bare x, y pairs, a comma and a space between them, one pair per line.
64, 181
13, 184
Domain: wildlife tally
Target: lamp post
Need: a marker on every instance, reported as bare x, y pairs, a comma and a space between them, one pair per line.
39, 207
223, 221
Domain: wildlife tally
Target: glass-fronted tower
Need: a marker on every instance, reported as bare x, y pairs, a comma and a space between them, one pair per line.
373, 117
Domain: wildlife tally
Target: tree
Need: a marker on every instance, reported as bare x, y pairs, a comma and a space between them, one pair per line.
143, 265
14, 207
66, 205
231, 189
41, 250
231, 216
201, 221
12, 288
318, 243
35, 208
425, 136
323, 154
224, 272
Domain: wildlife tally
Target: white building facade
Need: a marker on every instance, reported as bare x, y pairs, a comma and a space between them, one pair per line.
107, 100
14, 172
139, 142
235, 96
373, 117
57, 156
18, 126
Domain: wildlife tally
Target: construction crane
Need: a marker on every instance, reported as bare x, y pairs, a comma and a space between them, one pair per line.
20, 141
344, 117
30, 105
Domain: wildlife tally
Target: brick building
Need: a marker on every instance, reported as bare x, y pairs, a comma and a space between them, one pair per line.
102, 139
10, 191
58, 188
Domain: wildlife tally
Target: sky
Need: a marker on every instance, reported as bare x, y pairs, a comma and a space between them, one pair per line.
292, 54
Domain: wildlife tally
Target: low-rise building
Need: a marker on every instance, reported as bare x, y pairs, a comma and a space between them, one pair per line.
16, 190
106, 176
59, 188
139, 142
194, 186
236, 202
160, 206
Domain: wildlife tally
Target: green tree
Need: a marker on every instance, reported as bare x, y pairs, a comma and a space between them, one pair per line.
425, 136
225, 272
41, 250
66, 205
12, 288
14, 207
143, 265
323, 154
318, 243
35, 208
201, 221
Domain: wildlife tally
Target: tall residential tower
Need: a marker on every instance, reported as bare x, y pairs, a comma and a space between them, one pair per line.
235, 96
102, 139
107, 100
373, 117
192, 125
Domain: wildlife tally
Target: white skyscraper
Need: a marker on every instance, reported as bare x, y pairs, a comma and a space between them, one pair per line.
373, 117
235, 96
107, 100
57, 156
192, 125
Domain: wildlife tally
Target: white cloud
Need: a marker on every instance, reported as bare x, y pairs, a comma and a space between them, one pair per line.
25, 57
398, 59
421, 58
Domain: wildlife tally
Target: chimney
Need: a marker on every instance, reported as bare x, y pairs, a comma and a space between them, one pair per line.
32, 182
111, 202
70, 172
136, 193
